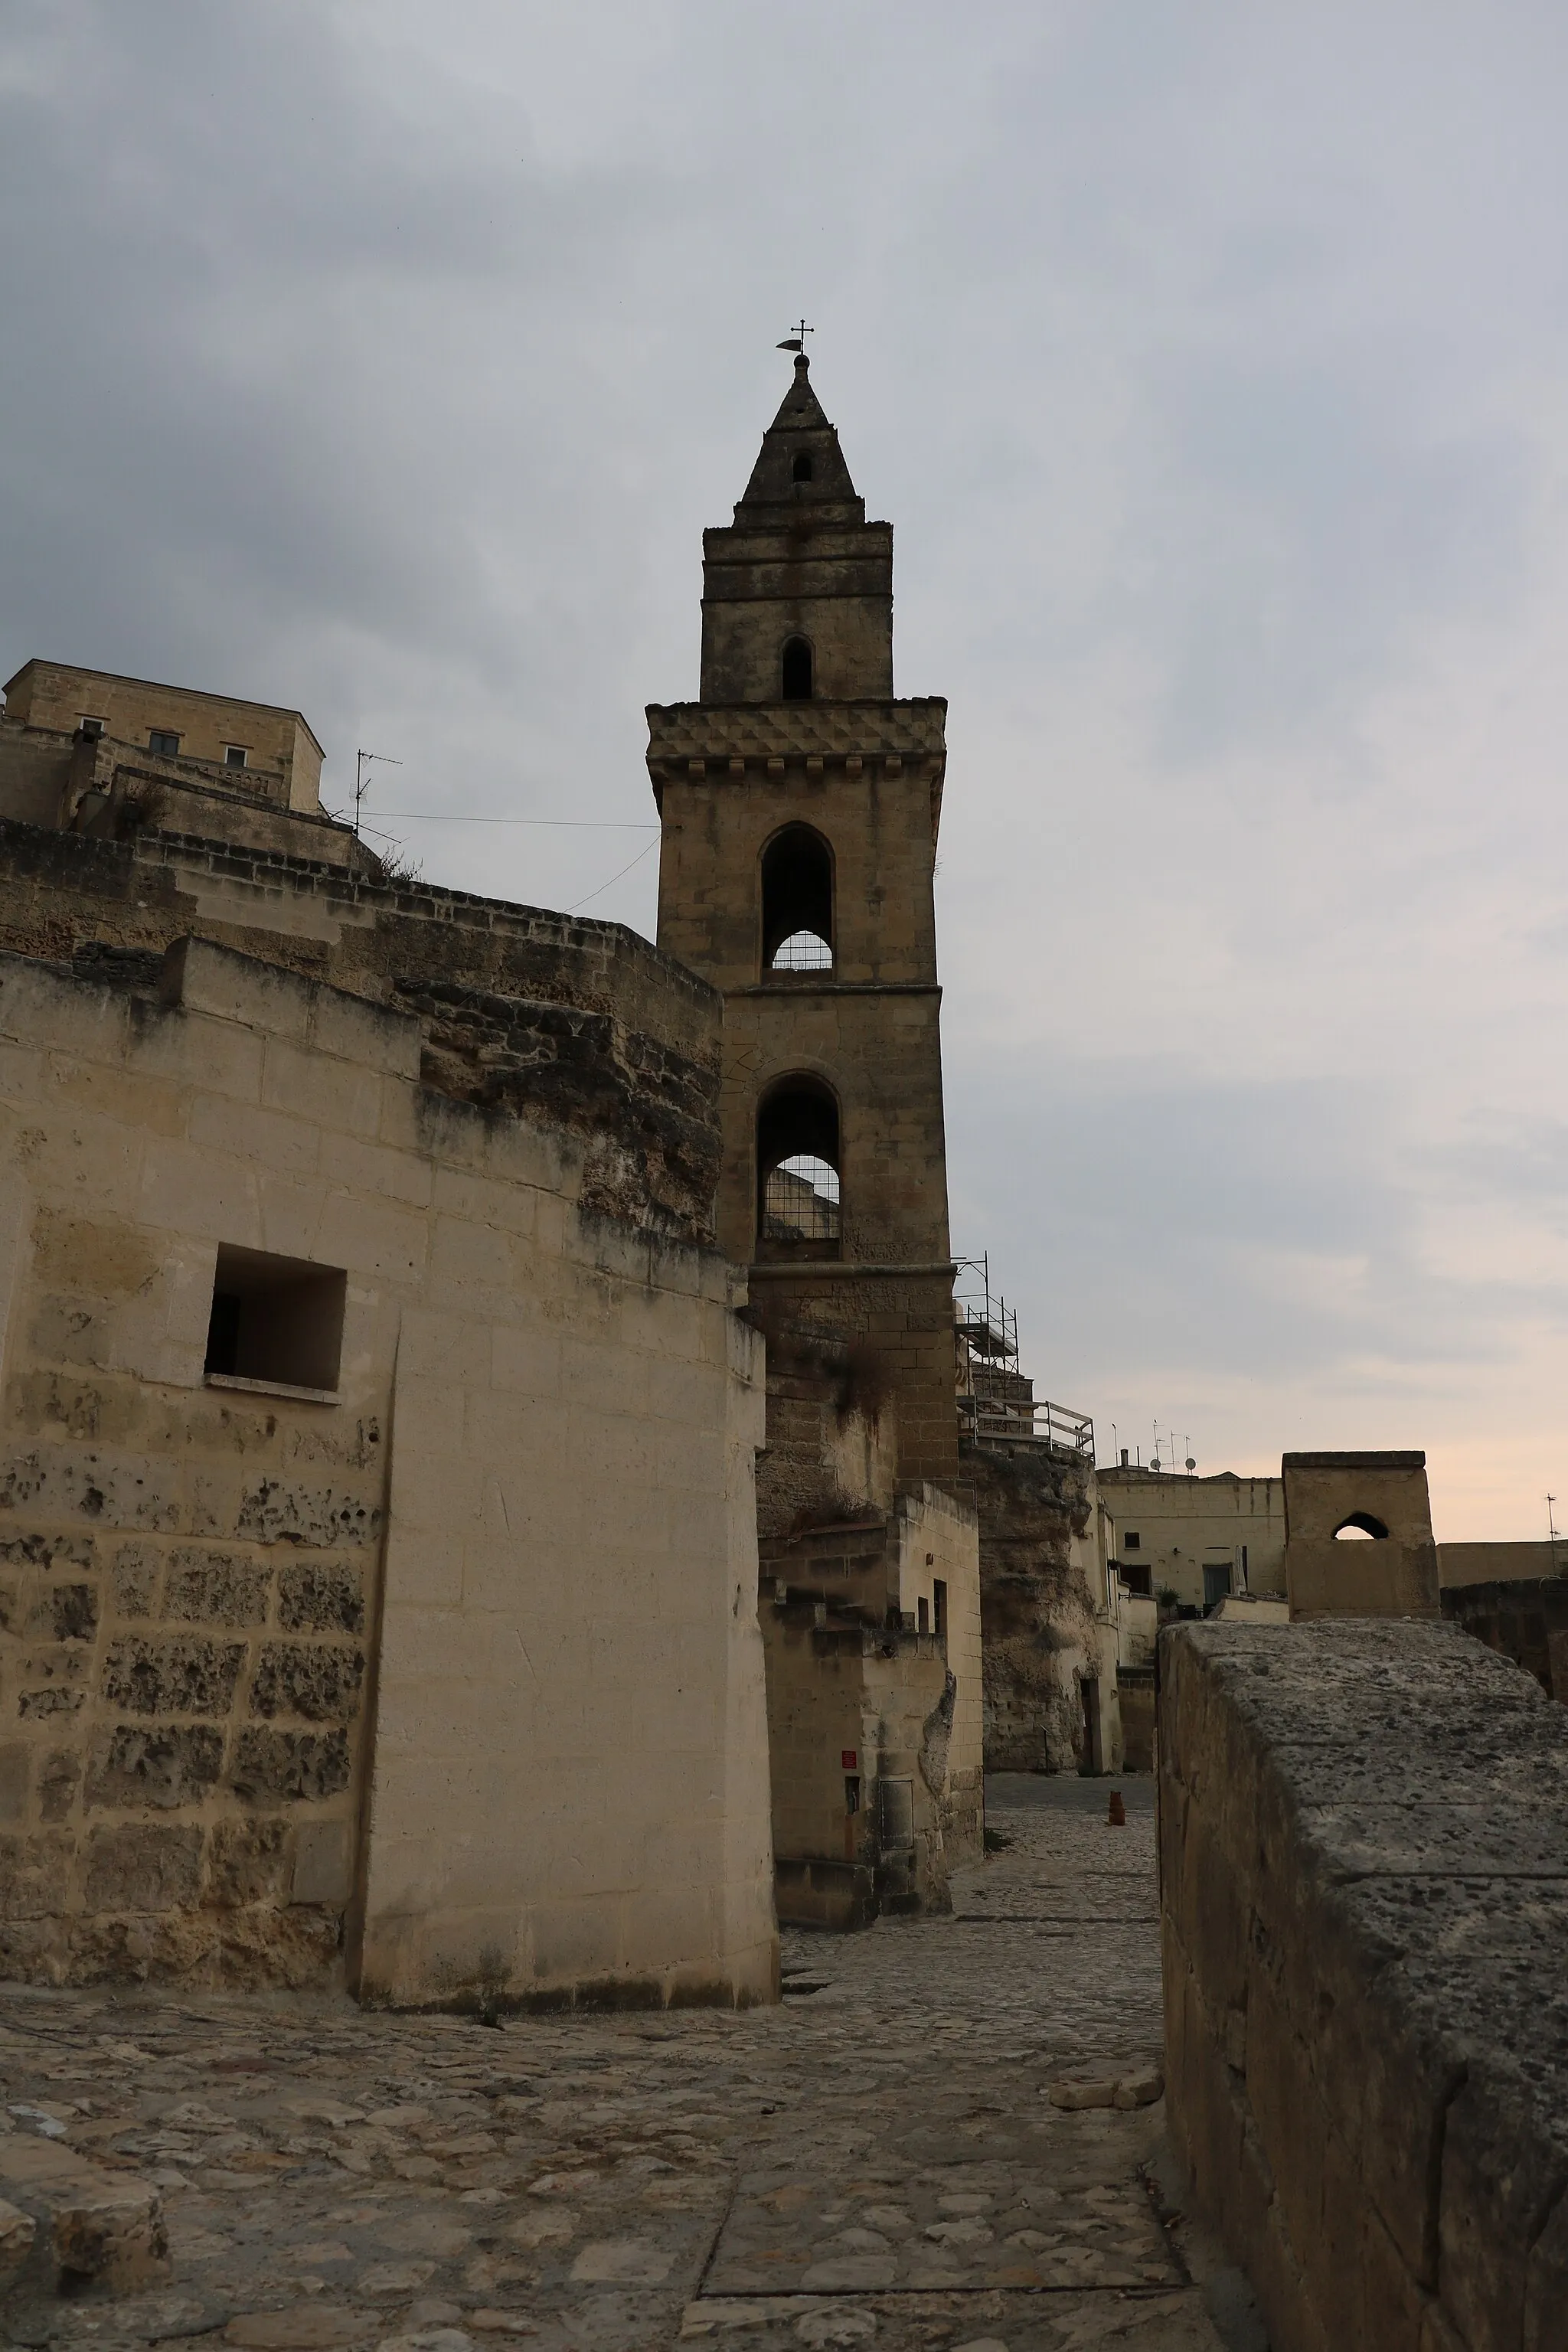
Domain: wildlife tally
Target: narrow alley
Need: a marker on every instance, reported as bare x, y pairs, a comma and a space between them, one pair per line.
877, 2162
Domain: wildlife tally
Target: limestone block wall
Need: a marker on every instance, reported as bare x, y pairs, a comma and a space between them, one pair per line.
1363, 1841
449, 1676
1526, 1618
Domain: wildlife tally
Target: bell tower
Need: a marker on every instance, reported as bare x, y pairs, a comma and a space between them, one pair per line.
800, 802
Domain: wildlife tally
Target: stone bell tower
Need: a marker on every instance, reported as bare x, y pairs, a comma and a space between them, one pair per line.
799, 803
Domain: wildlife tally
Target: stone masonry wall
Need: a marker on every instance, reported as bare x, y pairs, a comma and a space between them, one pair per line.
248, 1665
1041, 1637
1364, 1897
1526, 1618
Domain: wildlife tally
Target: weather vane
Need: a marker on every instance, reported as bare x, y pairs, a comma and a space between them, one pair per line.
797, 343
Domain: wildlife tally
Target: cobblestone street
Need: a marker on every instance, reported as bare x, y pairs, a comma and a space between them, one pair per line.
877, 2162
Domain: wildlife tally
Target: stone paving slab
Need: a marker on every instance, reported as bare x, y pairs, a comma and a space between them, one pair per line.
876, 2162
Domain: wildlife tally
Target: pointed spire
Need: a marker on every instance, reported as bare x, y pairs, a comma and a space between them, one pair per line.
800, 463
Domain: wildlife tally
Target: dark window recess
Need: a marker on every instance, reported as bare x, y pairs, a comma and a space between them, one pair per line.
797, 901
852, 1792
234, 755
1216, 1581
937, 1606
1134, 1575
923, 1615
276, 1319
1130, 1543
801, 469
223, 1333
797, 668
92, 728
166, 745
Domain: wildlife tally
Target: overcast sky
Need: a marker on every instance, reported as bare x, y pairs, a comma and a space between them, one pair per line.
388, 359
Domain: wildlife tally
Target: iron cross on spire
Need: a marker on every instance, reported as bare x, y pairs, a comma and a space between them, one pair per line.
797, 343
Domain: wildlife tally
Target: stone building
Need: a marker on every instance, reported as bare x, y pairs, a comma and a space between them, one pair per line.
800, 802
378, 1516
1199, 1539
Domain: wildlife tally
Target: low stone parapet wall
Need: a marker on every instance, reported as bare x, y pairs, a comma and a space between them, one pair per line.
1363, 1834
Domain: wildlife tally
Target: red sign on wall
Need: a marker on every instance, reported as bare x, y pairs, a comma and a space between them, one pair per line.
846, 1757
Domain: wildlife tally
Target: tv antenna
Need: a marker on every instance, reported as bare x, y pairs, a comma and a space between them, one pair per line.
1552, 1531
796, 340
362, 780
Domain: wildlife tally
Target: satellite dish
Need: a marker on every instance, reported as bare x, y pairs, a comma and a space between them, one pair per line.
1191, 1464
1153, 1462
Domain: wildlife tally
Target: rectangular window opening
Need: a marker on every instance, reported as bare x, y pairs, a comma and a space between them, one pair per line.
234, 755
165, 743
923, 1615
93, 728
1130, 1543
276, 1319
939, 1606
1134, 1575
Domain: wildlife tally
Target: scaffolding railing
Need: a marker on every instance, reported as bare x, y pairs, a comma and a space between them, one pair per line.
1044, 1423
996, 1401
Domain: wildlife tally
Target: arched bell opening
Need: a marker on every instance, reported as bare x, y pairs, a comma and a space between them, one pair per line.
799, 1206
797, 902
1359, 1526
797, 667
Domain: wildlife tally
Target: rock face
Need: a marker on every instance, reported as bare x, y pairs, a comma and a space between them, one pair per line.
1364, 1876
1042, 1641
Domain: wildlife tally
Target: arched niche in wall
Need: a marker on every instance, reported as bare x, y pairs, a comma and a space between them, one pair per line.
799, 1209
797, 902
1359, 1526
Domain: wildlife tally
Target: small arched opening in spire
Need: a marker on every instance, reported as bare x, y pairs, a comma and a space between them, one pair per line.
801, 469
796, 670
798, 1205
797, 902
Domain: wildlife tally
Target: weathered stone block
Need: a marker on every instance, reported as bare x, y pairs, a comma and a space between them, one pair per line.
321, 1596
65, 1613
132, 1868
289, 1766
248, 1861
321, 1863
16, 1774
215, 1588
318, 1680
33, 1871
175, 1764
172, 1677
135, 1578
91, 2226
58, 1776
275, 1511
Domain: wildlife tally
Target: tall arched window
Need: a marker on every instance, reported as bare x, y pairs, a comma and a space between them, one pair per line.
796, 669
801, 469
798, 1206
797, 902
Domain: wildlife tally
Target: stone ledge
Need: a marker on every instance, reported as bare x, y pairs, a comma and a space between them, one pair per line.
1364, 1851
